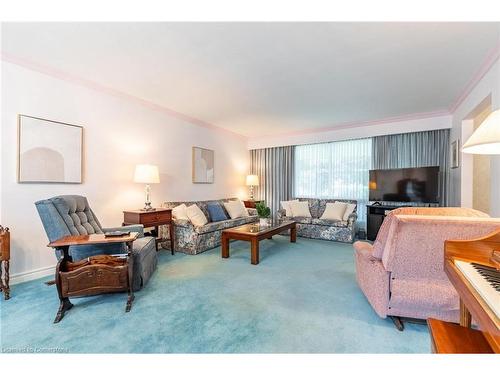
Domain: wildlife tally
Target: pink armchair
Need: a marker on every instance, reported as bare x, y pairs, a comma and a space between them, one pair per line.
402, 274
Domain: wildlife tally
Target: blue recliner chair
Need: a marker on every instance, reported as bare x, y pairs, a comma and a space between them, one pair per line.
71, 215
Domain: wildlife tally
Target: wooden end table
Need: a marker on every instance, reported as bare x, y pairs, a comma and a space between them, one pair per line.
254, 233
154, 218
92, 279
4, 261
251, 204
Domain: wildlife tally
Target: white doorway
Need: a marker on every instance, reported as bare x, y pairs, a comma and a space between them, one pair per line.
481, 175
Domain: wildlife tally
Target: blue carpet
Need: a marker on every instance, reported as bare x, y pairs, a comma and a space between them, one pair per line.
302, 297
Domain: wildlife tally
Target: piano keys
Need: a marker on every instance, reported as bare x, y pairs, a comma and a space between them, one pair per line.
485, 280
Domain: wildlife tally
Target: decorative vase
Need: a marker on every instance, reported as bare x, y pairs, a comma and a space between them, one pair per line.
263, 221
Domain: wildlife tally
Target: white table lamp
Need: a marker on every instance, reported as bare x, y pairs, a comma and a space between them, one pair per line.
252, 180
486, 139
147, 174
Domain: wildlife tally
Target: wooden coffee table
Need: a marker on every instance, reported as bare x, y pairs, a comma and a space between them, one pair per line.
254, 233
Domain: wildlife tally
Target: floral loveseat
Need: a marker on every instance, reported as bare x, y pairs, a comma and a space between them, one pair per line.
194, 240
314, 227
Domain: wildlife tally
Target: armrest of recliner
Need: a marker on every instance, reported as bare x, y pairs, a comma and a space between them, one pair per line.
133, 228
364, 249
371, 277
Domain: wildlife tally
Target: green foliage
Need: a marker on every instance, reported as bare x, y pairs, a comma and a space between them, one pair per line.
262, 210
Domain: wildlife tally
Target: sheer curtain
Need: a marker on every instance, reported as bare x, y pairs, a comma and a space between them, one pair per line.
335, 170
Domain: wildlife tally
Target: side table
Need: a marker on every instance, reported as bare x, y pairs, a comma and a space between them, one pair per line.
4, 261
92, 279
154, 218
251, 204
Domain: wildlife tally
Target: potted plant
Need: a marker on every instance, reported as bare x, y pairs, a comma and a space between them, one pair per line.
264, 212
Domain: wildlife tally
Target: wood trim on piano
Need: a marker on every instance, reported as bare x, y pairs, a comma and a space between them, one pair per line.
480, 251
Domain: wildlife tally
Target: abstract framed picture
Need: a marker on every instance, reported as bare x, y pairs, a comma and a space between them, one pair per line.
203, 166
49, 151
455, 154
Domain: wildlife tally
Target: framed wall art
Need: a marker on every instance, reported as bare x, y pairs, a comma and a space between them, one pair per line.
203, 166
49, 151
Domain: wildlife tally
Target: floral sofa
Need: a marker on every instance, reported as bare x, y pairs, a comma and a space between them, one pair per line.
314, 227
194, 240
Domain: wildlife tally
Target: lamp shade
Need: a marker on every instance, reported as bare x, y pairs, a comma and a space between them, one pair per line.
486, 138
146, 174
252, 180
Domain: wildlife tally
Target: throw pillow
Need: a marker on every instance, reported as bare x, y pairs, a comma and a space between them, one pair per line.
179, 212
300, 209
216, 212
286, 206
349, 210
334, 211
196, 216
236, 209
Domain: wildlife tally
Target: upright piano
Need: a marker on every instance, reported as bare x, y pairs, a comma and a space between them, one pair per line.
473, 267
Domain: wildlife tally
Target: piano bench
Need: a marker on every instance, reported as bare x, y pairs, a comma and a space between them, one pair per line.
451, 338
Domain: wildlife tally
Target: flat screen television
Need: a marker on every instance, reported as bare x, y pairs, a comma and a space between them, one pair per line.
405, 185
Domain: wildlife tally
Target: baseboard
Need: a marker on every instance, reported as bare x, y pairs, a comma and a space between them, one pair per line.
31, 275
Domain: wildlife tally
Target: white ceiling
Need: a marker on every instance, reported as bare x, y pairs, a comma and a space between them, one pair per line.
268, 78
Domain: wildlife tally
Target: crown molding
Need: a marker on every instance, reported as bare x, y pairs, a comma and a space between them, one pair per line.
92, 85
357, 124
487, 64
483, 69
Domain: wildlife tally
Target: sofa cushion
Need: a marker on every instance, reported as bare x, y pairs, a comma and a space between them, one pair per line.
236, 209
230, 223
408, 295
216, 212
334, 211
349, 210
201, 204
329, 223
180, 212
300, 209
313, 205
196, 215
321, 205
286, 206
211, 227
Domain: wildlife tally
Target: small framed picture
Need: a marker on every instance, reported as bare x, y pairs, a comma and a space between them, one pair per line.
203, 166
455, 154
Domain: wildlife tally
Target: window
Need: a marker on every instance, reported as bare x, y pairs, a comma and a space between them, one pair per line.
335, 170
